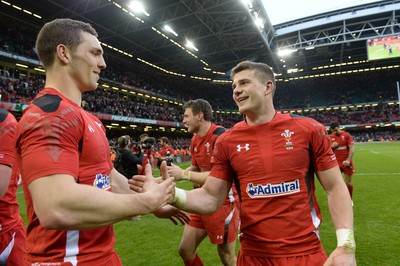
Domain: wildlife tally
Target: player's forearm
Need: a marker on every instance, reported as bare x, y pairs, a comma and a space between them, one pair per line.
351, 152
340, 208
119, 183
342, 217
195, 177
204, 200
81, 207
201, 202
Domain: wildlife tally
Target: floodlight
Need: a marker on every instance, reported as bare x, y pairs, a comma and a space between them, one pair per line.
259, 22
285, 52
169, 29
190, 45
137, 7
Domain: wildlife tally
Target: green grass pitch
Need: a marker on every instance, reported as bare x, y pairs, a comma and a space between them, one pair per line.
153, 241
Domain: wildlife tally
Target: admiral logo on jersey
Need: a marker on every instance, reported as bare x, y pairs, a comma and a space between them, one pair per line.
102, 182
272, 190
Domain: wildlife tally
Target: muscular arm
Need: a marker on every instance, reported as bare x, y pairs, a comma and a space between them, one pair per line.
119, 183
208, 198
192, 174
338, 198
5, 175
351, 152
60, 203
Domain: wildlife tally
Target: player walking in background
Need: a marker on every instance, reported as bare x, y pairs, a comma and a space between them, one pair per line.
12, 229
221, 226
73, 193
343, 147
273, 158
166, 151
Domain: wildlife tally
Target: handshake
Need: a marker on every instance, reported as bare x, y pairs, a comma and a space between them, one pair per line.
161, 192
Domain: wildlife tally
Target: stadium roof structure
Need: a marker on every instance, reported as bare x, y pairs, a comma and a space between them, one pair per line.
224, 32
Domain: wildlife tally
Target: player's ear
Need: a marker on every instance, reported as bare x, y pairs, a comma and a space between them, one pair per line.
200, 115
62, 53
269, 87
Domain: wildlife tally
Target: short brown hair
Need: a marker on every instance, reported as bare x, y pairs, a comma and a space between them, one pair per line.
165, 139
263, 71
60, 31
142, 136
200, 105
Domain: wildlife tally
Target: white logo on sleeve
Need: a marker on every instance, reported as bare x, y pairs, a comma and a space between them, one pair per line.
245, 147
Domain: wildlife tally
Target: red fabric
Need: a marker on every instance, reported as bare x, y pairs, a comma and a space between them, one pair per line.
62, 131
316, 259
11, 224
275, 163
194, 262
221, 226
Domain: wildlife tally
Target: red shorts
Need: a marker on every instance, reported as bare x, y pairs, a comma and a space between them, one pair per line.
221, 226
349, 170
315, 259
113, 260
12, 245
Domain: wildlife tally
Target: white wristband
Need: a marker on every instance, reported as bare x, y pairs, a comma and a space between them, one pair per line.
186, 175
180, 198
345, 238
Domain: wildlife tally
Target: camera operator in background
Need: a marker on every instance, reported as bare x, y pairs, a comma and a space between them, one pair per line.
129, 160
146, 144
165, 152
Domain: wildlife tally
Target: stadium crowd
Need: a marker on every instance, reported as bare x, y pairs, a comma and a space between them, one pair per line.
308, 97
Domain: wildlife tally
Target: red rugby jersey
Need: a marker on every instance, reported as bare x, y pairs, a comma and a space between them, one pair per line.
345, 140
275, 164
201, 149
9, 208
80, 149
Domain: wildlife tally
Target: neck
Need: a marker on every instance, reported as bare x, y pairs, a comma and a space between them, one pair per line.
204, 129
65, 85
260, 118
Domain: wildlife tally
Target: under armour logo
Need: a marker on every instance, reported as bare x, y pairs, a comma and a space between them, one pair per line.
220, 237
90, 128
246, 146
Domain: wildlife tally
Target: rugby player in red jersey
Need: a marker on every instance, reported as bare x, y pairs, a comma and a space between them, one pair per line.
73, 194
273, 158
343, 147
12, 229
222, 226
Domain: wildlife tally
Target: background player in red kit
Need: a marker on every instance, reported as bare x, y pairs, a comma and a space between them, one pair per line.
343, 147
73, 194
165, 151
12, 229
221, 226
273, 157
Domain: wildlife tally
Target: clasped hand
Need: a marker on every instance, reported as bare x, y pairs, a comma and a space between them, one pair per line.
163, 187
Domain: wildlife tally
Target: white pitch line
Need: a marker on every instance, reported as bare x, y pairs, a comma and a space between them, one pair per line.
376, 174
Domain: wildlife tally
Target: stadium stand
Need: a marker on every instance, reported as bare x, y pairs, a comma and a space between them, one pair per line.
349, 99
